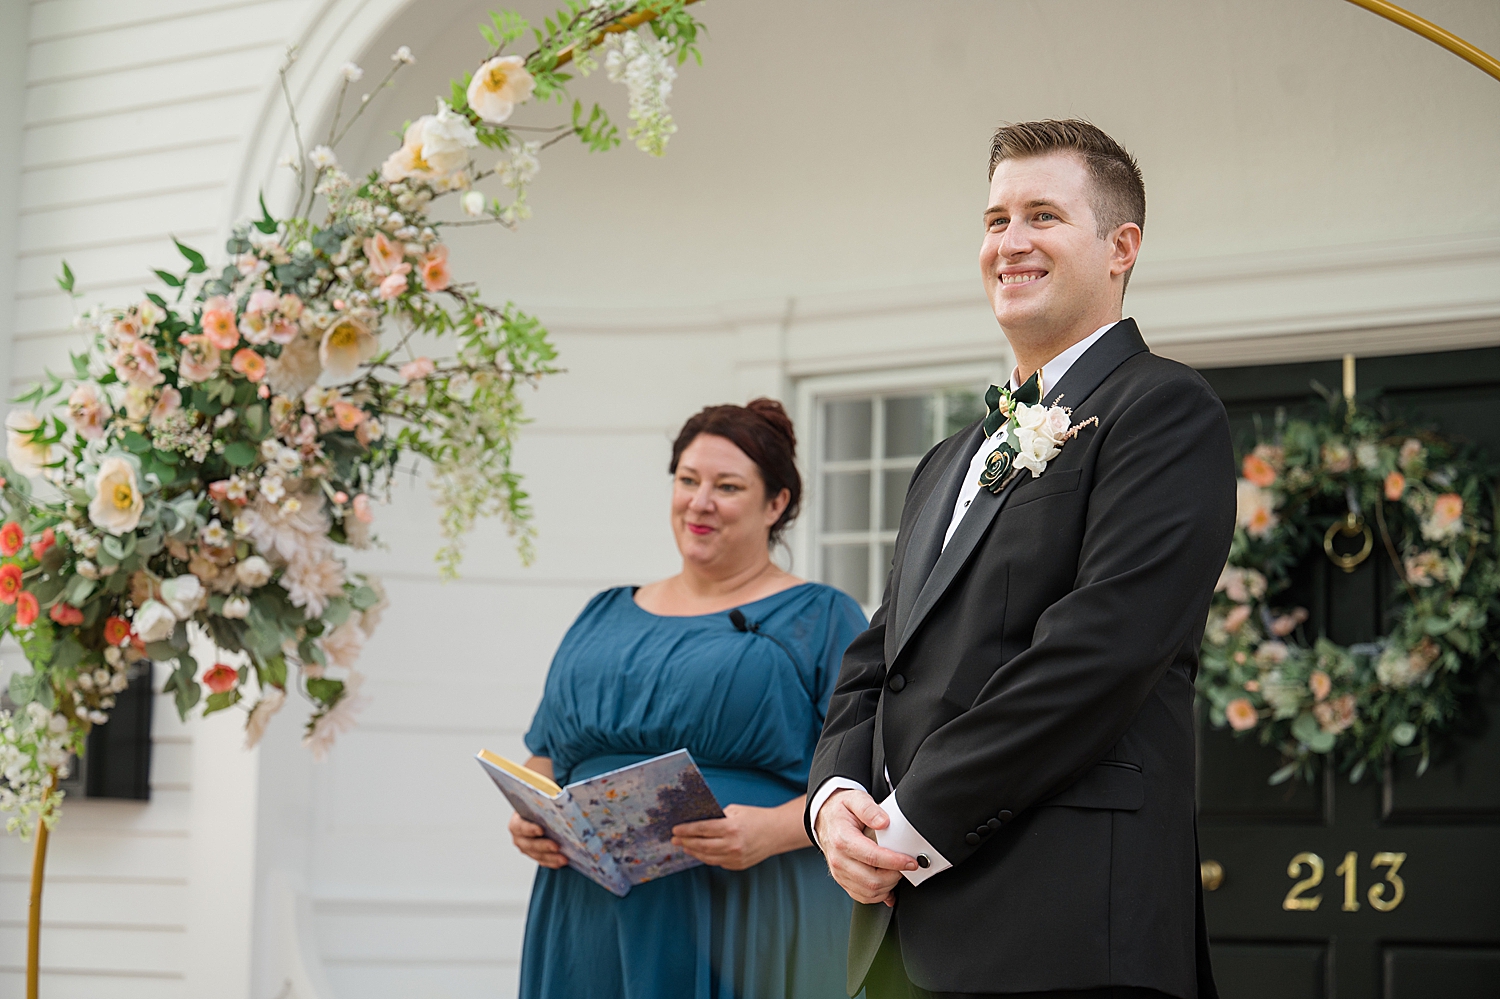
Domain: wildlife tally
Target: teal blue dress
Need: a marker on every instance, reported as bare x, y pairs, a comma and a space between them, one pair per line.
627, 685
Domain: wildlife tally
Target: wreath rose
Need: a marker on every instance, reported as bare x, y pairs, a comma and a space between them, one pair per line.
1415, 498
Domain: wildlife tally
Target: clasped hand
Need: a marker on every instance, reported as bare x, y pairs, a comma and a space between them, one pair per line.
867, 871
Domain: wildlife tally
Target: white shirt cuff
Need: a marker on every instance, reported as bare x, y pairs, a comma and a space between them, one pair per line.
903, 837
825, 791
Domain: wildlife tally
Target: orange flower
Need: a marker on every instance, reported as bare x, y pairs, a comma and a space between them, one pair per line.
26, 609
11, 538
220, 678
1395, 486
219, 327
250, 364
1447, 509
66, 614
116, 630
10, 582
348, 415
1320, 684
1241, 714
40, 546
1236, 617
1258, 471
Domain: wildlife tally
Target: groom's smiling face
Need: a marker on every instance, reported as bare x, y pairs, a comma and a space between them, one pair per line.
1045, 267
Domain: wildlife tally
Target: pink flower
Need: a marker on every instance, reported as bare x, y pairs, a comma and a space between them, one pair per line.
250, 364
138, 364
1285, 624
200, 359
1395, 486
219, 489
290, 306
384, 255
283, 331
435, 273
1241, 714
169, 403
262, 300
1336, 715
1236, 617
46, 540
394, 285
420, 368
87, 410
362, 511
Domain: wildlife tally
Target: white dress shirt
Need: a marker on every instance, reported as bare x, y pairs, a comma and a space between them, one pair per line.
901, 835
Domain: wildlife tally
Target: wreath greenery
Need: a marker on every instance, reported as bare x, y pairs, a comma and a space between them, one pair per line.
1346, 483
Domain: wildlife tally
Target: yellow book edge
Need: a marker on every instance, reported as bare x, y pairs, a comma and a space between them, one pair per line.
526, 775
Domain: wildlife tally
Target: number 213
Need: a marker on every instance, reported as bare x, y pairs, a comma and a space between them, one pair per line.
1295, 901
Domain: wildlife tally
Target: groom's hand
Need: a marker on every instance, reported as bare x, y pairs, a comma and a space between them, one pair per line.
864, 869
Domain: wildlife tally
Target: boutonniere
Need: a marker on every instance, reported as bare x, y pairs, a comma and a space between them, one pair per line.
1033, 434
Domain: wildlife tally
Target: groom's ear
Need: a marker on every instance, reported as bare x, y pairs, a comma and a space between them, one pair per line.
1125, 246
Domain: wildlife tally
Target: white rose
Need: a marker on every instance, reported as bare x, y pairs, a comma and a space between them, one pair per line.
434, 149
26, 457
1030, 417
154, 621
117, 502
252, 572
1036, 450
237, 607
473, 203
183, 594
1057, 423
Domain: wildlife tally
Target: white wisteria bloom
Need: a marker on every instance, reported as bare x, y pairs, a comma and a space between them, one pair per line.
521, 166
117, 504
644, 65
498, 86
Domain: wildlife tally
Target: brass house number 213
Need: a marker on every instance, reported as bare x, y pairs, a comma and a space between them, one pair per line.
1296, 901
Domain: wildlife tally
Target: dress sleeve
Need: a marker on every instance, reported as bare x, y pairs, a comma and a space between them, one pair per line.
542, 737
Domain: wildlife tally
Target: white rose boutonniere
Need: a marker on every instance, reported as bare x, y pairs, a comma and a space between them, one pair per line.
1033, 434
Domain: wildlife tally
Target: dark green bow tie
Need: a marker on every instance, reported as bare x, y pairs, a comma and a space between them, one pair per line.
1030, 394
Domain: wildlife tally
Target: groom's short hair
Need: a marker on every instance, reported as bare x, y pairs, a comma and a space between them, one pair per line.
1119, 191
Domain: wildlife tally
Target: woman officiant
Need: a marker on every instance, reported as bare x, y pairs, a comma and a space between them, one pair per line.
734, 660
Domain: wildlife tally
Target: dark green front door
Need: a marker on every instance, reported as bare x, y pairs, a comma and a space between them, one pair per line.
1388, 889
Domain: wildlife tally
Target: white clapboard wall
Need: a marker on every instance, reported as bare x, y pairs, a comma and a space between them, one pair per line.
813, 223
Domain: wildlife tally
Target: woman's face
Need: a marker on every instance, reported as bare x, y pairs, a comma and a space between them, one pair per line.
720, 513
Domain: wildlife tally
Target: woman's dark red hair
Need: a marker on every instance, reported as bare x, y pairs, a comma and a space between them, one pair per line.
762, 430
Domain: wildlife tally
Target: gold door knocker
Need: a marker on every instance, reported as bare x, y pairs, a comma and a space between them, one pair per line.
1351, 526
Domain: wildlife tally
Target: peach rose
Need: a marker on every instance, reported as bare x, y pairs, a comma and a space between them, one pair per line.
218, 323
348, 415
200, 359
384, 254
139, 365
220, 678
1320, 684
435, 273
250, 364
394, 284
1336, 715
1447, 518
1395, 486
169, 403
1236, 617
1241, 714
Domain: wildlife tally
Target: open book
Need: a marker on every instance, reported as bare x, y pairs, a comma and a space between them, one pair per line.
615, 828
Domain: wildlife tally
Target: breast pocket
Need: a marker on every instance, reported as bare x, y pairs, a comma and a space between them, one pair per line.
1111, 784
1047, 484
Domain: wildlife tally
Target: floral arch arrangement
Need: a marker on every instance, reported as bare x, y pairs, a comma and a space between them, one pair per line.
1350, 486
219, 445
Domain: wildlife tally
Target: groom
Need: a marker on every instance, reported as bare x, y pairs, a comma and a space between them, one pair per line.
1015, 730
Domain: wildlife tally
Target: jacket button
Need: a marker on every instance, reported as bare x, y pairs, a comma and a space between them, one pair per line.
972, 839
897, 682
1004, 815
983, 831
992, 825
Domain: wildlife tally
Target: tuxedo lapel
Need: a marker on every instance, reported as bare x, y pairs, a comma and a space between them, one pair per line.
1087, 373
926, 541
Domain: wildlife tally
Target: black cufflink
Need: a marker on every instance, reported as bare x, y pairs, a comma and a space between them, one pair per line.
923, 862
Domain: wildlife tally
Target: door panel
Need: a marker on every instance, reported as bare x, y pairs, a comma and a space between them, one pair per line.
1438, 835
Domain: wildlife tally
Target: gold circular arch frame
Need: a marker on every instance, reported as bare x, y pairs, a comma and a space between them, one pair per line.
1447, 39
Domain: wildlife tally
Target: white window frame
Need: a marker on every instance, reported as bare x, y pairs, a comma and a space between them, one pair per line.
806, 536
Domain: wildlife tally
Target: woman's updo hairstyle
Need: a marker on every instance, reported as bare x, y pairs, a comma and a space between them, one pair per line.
764, 432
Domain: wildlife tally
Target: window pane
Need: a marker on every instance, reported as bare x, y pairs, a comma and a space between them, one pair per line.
908, 426
847, 427
846, 501
847, 567
963, 407
894, 482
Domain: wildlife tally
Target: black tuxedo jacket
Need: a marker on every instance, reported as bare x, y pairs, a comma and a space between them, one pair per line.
1030, 689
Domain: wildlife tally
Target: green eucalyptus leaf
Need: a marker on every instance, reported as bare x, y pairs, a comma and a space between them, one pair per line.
240, 454
135, 443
